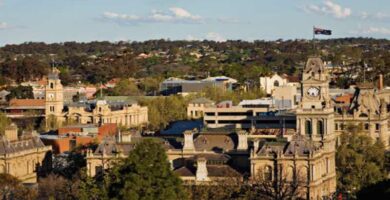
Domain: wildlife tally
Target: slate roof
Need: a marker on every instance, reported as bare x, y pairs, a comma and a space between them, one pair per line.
24, 143
212, 171
365, 100
215, 142
298, 145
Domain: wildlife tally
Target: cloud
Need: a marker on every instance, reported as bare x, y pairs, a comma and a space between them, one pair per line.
329, 8
173, 15
215, 36
374, 16
376, 30
4, 25
191, 38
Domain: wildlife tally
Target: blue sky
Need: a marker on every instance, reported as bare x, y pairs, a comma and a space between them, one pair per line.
113, 20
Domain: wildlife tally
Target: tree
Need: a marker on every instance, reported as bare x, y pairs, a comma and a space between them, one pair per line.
360, 161
145, 174
20, 92
126, 87
230, 188
12, 188
57, 187
281, 187
4, 122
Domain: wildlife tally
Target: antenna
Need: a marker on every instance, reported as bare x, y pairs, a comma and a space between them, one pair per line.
364, 72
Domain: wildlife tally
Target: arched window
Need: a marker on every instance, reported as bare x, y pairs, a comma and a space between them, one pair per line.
51, 85
276, 83
268, 173
290, 173
308, 128
320, 127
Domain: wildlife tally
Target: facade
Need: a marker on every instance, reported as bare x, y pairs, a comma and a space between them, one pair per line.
196, 107
367, 110
288, 95
268, 84
125, 113
23, 156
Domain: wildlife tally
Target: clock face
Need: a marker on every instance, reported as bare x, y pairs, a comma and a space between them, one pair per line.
313, 92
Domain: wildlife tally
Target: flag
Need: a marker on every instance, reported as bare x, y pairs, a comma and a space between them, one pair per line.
318, 31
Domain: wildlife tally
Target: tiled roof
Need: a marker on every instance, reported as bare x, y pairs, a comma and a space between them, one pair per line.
14, 103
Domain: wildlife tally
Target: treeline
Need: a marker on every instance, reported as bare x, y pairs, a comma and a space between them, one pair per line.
97, 62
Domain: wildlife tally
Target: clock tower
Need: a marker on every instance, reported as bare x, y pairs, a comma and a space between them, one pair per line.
54, 97
315, 118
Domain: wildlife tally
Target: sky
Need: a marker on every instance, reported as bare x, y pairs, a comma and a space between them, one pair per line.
138, 20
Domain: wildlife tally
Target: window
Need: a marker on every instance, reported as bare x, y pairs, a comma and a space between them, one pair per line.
51, 108
377, 126
51, 85
336, 126
308, 127
366, 126
268, 173
276, 83
320, 127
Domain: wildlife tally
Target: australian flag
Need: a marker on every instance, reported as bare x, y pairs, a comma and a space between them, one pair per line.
320, 31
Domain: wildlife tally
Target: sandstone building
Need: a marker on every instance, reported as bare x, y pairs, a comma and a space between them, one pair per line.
22, 156
125, 113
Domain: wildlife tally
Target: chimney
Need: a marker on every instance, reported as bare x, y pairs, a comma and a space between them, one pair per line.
201, 169
242, 140
380, 82
11, 133
188, 140
124, 137
256, 145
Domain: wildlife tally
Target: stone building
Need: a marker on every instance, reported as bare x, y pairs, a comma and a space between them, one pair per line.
311, 152
304, 153
269, 83
367, 110
23, 156
196, 107
125, 113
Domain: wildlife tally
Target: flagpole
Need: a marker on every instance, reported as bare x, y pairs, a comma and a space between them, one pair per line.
313, 41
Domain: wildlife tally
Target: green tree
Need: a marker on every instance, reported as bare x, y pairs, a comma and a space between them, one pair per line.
20, 92
146, 175
360, 161
12, 188
126, 87
4, 122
